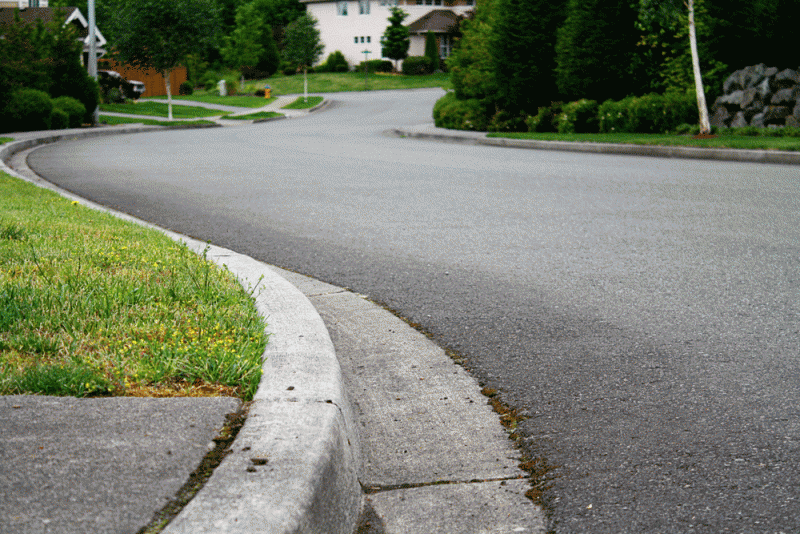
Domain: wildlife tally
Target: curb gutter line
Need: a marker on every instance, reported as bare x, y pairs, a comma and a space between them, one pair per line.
293, 467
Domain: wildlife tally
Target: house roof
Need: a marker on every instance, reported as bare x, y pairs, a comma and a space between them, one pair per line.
437, 21
48, 14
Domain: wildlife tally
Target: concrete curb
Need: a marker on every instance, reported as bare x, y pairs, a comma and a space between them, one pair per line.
718, 154
294, 465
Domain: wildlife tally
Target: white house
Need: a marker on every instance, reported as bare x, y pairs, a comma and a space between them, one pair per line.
353, 26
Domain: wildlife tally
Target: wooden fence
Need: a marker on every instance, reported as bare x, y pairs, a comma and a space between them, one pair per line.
153, 81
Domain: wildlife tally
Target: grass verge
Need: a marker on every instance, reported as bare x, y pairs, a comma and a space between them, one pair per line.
111, 120
157, 109
4, 140
255, 116
301, 103
333, 82
244, 101
91, 305
724, 140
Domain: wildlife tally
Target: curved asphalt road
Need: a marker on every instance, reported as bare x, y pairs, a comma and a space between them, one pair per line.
643, 312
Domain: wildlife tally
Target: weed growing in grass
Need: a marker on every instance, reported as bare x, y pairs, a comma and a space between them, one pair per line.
92, 305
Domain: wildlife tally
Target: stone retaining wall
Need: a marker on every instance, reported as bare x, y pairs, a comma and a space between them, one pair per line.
759, 96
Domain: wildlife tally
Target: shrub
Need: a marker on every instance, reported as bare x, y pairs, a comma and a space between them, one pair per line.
115, 96
449, 112
376, 65
210, 79
73, 108
59, 119
186, 88
29, 110
578, 117
545, 119
417, 65
336, 62
651, 113
506, 121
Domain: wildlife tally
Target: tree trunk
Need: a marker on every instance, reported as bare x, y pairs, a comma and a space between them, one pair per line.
705, 126
305, 84
169, 94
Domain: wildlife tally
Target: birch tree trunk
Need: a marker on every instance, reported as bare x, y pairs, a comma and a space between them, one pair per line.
169, 94
705, 126
305, 84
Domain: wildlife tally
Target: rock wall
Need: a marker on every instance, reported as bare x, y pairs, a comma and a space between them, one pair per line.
759, 96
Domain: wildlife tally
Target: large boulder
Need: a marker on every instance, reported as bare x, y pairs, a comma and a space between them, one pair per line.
720, 117
734, 82
764, 89
732, 100
757, 120
753, 75
751, 98
792, 122
784, 97
786, 78
776, 114
739, 121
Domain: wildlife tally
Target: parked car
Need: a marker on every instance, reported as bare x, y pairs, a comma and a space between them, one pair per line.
111, 79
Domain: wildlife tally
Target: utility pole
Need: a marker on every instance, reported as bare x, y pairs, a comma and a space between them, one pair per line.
366, 68
92, 60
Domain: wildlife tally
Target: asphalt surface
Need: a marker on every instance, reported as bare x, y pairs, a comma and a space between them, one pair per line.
642, 312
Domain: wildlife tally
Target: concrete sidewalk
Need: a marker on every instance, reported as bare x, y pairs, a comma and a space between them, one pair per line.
275, 106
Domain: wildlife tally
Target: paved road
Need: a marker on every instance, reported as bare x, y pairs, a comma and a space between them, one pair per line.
644, 313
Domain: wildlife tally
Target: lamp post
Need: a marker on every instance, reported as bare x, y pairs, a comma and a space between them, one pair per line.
366, 67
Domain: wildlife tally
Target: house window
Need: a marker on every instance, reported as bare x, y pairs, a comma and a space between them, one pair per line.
363, 7
341, 8
33, 3
369, 39
445, 45
389, 2
355, 40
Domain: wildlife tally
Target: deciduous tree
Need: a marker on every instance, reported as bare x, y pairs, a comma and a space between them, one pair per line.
302, 45
160, 34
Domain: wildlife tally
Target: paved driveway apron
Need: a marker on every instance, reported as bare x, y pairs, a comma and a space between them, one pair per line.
643, 313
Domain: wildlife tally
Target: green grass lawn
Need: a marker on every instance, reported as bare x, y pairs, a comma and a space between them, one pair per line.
4, 140
334, 82
301, 103
244, 101
722, 141
92, 305
113, 120
255, 116
157, 109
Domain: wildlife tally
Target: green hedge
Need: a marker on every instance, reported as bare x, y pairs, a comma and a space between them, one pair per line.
417, 65
28, 110
449, 112
336, 62
651, 113
73, 108
578, 117
376, 65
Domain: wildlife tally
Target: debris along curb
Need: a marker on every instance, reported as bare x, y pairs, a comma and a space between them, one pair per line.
294, 465
719, 154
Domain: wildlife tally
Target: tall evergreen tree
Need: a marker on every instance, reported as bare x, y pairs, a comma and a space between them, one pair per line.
432, 50
522, 44
395, 39
595, 49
